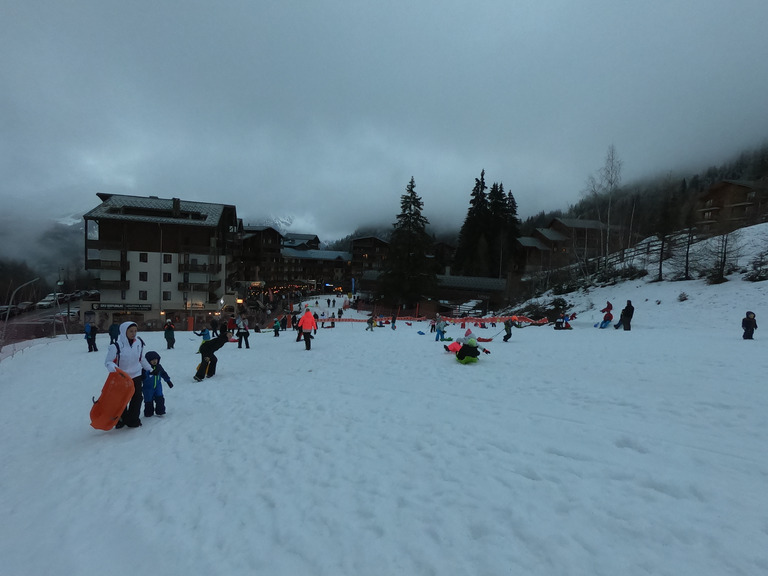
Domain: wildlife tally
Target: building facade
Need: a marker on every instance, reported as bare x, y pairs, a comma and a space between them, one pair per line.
158, 258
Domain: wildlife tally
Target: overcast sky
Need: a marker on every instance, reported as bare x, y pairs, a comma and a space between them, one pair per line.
322, 110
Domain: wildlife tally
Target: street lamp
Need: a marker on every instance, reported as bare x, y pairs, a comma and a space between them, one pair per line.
8, 312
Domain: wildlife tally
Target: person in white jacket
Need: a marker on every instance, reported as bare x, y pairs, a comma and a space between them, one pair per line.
128, 355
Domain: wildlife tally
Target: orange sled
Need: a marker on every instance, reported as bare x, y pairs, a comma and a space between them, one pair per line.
117, 392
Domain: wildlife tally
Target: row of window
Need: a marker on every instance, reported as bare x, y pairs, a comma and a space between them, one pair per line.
144, 257
167, 277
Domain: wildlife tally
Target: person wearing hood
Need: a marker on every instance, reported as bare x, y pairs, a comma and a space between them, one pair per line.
468, 337
469, 352
154, 401
127, 353
749, 325
307, 323
168, 332
208, 360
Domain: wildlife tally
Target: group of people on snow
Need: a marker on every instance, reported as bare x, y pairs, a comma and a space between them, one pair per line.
625, 318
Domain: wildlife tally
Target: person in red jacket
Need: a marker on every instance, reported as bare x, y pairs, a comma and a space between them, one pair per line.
306, 325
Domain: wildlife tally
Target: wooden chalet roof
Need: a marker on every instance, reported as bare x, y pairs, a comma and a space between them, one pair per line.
579, 223
531, 242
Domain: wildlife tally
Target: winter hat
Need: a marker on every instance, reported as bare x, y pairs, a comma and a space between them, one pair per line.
152, 355
472, 342
750, 314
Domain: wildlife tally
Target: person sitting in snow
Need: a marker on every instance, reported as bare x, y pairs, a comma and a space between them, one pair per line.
749, 325
607, 319
154, 401
457, 344
562, 323
469, 352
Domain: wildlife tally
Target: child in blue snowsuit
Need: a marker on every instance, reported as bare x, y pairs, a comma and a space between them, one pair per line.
154, 401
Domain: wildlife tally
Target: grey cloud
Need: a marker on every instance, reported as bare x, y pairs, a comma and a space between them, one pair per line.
324, 110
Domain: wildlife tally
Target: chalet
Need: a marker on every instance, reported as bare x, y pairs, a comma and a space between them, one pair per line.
731, 204
564, 241
158, 258
368, 253
317, 269
260, 258
301, 241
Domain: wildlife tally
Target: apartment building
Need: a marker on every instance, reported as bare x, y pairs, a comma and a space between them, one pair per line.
159, 258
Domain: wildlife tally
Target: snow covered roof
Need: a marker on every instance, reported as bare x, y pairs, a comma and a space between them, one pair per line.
316, 254
159, 210
531, 242
552, 235
579, 223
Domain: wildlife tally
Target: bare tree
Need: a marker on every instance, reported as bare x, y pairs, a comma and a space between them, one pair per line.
601, 187
610, 177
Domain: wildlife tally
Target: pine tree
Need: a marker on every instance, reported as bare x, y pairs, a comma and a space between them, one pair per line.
472, 258
409, 275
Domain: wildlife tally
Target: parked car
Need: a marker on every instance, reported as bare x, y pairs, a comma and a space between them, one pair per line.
7, 311
25, 306
50, 300
72, 316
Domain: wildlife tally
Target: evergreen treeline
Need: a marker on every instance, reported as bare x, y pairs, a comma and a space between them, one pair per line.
486, 244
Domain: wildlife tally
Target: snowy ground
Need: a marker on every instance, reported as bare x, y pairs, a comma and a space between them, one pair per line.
584, 452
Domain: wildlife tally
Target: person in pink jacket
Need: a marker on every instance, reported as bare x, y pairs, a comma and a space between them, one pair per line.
307, 324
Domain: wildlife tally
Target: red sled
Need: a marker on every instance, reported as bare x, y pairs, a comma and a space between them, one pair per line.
117, 392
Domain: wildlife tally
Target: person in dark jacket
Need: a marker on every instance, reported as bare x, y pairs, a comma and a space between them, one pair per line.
168, 332
208, 360
507, 330
154, 401
114, 332
214, 327
625, 320
90, 336
749, 325
469, 352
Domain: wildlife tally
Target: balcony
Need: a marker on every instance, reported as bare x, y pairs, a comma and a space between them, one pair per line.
204, 268
114, 284
103, 245
107, 265
199, 286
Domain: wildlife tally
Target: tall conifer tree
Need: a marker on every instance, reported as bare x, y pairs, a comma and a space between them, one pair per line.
409, 275
472, 258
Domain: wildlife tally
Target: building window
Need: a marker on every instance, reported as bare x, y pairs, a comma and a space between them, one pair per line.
122, 295
142, 276
143, 257
167, 258
166, 296
166, 277
142, 294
